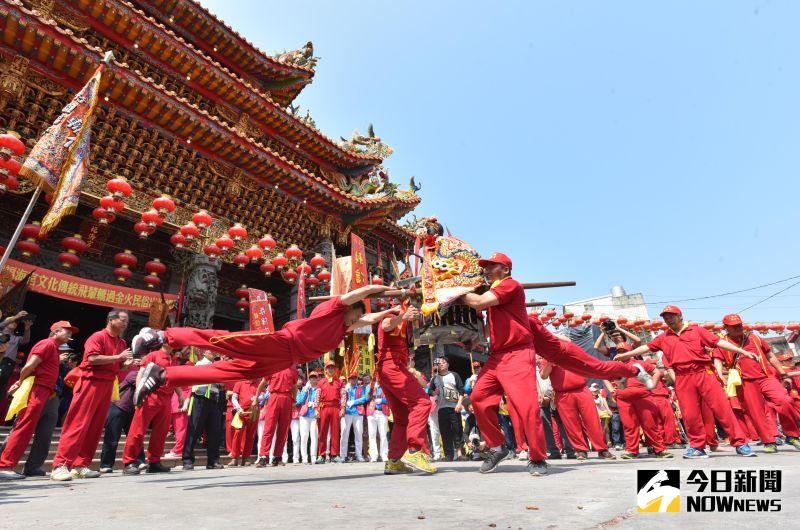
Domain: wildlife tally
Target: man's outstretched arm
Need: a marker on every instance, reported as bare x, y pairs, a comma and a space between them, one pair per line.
641, 350
356, 295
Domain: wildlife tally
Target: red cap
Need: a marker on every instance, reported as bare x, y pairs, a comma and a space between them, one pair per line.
64, 324
497, 257
732, 320
330, 363
671, 309
314, 373
353, 375
623, 346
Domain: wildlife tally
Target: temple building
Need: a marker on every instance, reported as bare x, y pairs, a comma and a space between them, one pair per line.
191, 110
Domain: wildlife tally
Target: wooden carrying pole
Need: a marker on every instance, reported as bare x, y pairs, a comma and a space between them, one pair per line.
535, 304
405, 293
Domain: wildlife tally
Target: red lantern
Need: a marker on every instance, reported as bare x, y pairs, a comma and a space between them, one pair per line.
324, 275
8, 174
573, 324
202, 219
777, 327
240, 260
119, 188
122, 274
568, 315
318, 262
164, 205
293, 252
622, 321
290, 275
237, 232
596, 322
143, 229
586, 317
152, 218
267, 268
304, 268
603, 318
178, 240
8, 183
556, 323
152, 280
102, 216
550, 313
190, 231
29, 248
68, 260
312, 281
224, 243
242, 305
377, 280
155, 267
272, 299
111, 204
280, 261
212, 251
254, 253
638, 322
242, 292
74, 245
266, 243
10, 144
31, 231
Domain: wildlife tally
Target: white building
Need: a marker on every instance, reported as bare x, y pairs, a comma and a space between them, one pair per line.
614, 305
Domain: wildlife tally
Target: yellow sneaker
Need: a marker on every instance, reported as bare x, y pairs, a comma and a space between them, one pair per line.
419, 461
396, 467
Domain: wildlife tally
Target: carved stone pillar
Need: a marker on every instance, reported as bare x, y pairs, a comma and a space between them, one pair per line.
201, 291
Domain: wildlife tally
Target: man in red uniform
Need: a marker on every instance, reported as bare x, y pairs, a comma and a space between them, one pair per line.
639, 409
155, 413
511, 368
104, 355
575, 405
245, 403
330, 412
759, 388
685, 355
408, 402
282, 388
258, 354
42, 364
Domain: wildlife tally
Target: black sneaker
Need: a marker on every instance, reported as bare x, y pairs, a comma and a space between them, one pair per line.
153, 377
34, 473
158, 467
188, 466
262, 461
538, 468
493, 459
276, 461
572, 456
131, 469
554, 456
216, 465
147, 340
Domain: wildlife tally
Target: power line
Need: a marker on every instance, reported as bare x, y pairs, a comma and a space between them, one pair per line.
730, 293
770, 296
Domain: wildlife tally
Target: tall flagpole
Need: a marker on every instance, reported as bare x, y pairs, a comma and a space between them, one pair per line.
23, 220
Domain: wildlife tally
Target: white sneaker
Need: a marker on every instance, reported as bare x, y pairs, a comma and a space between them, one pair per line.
84, 472
142, 466
106, 470
171, 456
61, 474
523, 455
360, 459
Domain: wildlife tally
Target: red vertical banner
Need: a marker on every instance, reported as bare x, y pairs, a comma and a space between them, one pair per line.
260, 311
358, 255
301, 294
417, 250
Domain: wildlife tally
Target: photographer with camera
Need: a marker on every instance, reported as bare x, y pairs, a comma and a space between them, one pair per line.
10, 341
448, 389
610, 329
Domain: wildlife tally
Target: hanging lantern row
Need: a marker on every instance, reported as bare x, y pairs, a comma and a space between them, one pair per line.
243, 294
10, 146
126, 261
73, 246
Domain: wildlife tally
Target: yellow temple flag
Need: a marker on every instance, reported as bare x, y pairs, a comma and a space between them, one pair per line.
20, 400
59, 161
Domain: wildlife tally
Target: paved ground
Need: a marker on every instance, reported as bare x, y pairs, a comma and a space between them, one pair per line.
575, 495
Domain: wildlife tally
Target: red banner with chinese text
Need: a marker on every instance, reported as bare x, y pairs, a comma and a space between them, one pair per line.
358, 255
260, 311
67, 287
301, 295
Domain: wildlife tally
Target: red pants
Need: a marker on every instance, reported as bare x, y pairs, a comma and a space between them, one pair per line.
254, 355
757, 396
695, 388
669, 421
25, 426
329, 421
278, 418
410, 407
579, 415
243, 439
154, 413
639, 409
84, 423
180, 421
709, 426
228, 428
745, 425
575, 359
519, 434
512, 373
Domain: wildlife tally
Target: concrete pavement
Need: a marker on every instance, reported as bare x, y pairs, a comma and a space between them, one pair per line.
574, 495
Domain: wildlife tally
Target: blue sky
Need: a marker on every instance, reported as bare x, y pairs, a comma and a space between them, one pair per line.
653, 145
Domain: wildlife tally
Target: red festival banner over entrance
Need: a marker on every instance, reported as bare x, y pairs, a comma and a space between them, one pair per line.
64, 286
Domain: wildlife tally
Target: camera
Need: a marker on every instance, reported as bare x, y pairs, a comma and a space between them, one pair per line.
609, 326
